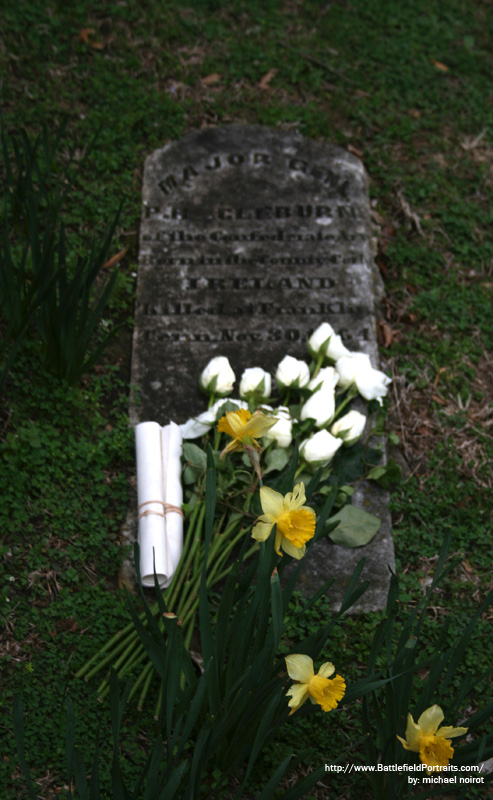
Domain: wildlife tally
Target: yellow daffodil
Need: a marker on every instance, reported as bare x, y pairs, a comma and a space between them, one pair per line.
295, 523
244, 428
431, 742
318, 688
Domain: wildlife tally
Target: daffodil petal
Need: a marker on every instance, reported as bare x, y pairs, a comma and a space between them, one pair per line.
326, 670
430, 720
258, 425
298, 694
448, 732
232, 447
298, 497
291, 550
405, 744
262, 529
272, 502
300, 667
278, 542
413, 734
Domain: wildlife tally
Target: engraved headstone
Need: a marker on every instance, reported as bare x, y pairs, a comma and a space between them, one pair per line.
250, 238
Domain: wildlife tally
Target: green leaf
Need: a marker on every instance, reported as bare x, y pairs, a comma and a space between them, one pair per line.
194, 455
191, 475
19, 740
275, 460
356, 527
385, 475
276, 608
351, 463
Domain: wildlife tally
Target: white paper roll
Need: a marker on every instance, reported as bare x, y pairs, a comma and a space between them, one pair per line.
171, 447
150, 493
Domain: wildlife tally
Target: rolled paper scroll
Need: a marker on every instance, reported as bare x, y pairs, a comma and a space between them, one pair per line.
171, 447
150, 493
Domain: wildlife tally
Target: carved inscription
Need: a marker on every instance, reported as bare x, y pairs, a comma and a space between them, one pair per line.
250, 238
221, 162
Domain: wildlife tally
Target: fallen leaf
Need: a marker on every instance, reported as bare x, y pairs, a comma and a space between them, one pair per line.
355, 151
470, 142
384, 334
97, 46
211, 79
435, 382
264, 83
115, 259
85, 33
439, 400
439, 65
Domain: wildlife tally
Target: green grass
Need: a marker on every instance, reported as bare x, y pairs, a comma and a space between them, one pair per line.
369, 75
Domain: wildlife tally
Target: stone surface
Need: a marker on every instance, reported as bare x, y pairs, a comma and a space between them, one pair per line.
250, 238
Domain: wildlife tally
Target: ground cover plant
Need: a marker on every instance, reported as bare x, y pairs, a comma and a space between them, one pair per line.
404, 86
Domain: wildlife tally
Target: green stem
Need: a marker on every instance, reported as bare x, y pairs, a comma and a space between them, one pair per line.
225, 572
125, 645
350, 395
193, 535
318, 364
159, 701
214, 563
118, 636
121, 670
217, 439
299, 470
148, 672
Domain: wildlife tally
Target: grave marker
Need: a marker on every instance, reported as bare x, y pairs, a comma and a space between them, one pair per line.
250, 238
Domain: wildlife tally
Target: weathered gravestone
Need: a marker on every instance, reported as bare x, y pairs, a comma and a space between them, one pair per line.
250, 238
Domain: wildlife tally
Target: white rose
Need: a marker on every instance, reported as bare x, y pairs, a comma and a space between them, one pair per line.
325, 377
320, 448
255, 382
320, 406
325, 341
335, 349
357, 369
348, 368
217, 377
281, 433
350, 427
292, 372
200, 425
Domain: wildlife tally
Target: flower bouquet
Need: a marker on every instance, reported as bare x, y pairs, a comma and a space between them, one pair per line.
301, 438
